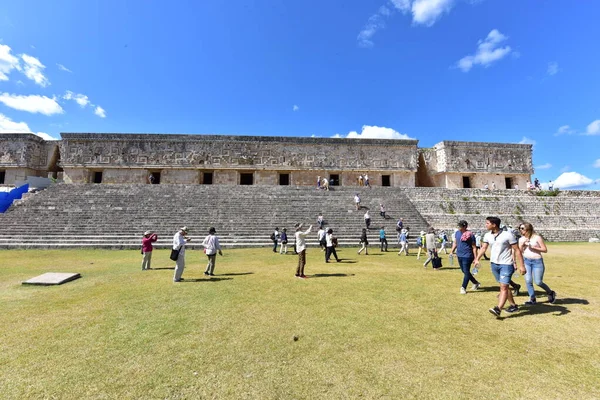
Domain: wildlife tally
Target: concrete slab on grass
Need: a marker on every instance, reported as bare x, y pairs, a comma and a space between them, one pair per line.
52, 278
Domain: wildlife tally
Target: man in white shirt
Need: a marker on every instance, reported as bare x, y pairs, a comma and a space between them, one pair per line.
301, 249
504, 246
357, 201
211, 247
179, 241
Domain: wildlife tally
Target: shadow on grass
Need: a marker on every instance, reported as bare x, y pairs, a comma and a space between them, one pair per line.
158, 269
540, 308
186, 280
237, 273
330, 275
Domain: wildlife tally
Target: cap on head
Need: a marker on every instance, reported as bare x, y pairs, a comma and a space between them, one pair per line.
212, 230
462, 223
147, 233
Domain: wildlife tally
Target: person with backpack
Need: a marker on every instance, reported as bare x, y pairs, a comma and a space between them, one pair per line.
443, 242
364, 242
431, 248
284, 242
274, 238
420, 243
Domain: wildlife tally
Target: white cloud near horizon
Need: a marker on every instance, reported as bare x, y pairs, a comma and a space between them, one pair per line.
7, 125
295, 108
593, 128
552, 68
526, 140
8, 62
63, 68
544, 166
32, 103
488, 52
375, 132
565, 130
33, 70
99, 111
573, 180
80, 99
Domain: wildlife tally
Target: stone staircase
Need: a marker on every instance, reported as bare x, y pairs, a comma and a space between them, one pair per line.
114, 216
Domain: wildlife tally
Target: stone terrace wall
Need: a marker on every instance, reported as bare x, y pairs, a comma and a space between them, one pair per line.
23, 154
570, 216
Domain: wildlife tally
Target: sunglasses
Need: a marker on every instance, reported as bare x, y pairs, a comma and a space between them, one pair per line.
521, 228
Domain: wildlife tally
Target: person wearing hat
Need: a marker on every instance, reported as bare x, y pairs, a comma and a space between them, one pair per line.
421, 243
465, 248
430, 245
179, 242
147, 240
211, 247
301, 249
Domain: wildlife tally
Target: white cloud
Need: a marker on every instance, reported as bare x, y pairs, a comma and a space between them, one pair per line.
33, 103
81, 99
374, 23
401, 5
488, 51
7, 125
33, 70
295, 108
8, 62
544, 166
99, 111
573, 180
63, 68
597, 163
427, 12
552, 68
565, 130
374, 132
593, 128
526, 140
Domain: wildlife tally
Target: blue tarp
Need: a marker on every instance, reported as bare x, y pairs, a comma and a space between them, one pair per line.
16, 193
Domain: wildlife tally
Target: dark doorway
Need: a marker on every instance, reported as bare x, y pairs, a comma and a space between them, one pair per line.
207, 178
466, 182
246, 179
154, 178
2, 177
385, 180
98, 177
284, 179
334, 180
508, 182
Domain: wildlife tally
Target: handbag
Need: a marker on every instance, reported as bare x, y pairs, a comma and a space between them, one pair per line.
174, 255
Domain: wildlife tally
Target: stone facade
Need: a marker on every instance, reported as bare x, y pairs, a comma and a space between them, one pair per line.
260, 160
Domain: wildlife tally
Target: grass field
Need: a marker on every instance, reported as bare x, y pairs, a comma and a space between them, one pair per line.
377, 326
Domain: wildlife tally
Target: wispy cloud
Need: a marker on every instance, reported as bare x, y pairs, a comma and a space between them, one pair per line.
565, 130
81, 99
7, 125
63, 68
375, 23
573, 180
99, 111
552, 68
8, 62
526, 140
295, 108
374, 132
593, 128
33, 103
544, 166
488, 52
33, 70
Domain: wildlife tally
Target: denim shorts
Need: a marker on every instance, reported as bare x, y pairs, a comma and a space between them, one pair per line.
503, 272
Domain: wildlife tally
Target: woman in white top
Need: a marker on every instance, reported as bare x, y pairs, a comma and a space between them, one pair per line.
532, 246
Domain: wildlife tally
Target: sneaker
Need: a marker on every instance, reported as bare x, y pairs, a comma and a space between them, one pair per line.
476, 286
211, 274
496, 311
532, 301
297, 276
303, 276
463, 291
206, 273
516, 289
512, 309
552, 297
339, 260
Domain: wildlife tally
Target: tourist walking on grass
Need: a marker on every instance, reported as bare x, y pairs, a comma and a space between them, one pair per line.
367, 219
466, 251
532, 246
403, 241
284, 242
301, 249
503, 245
382, 239
179, 242
364, 242
421, 244
330, 241
443, 242
430, 246
275, 239
211, 247
147, 240
321, 237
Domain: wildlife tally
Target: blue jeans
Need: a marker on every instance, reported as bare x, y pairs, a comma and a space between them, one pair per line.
535, 274
465, 267
502, 272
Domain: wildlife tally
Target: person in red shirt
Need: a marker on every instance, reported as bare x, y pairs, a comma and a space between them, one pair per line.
149, 238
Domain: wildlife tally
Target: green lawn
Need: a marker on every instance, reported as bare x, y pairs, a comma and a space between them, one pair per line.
379, 326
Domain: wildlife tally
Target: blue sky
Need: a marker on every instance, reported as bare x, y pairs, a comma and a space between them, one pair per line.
432, 70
